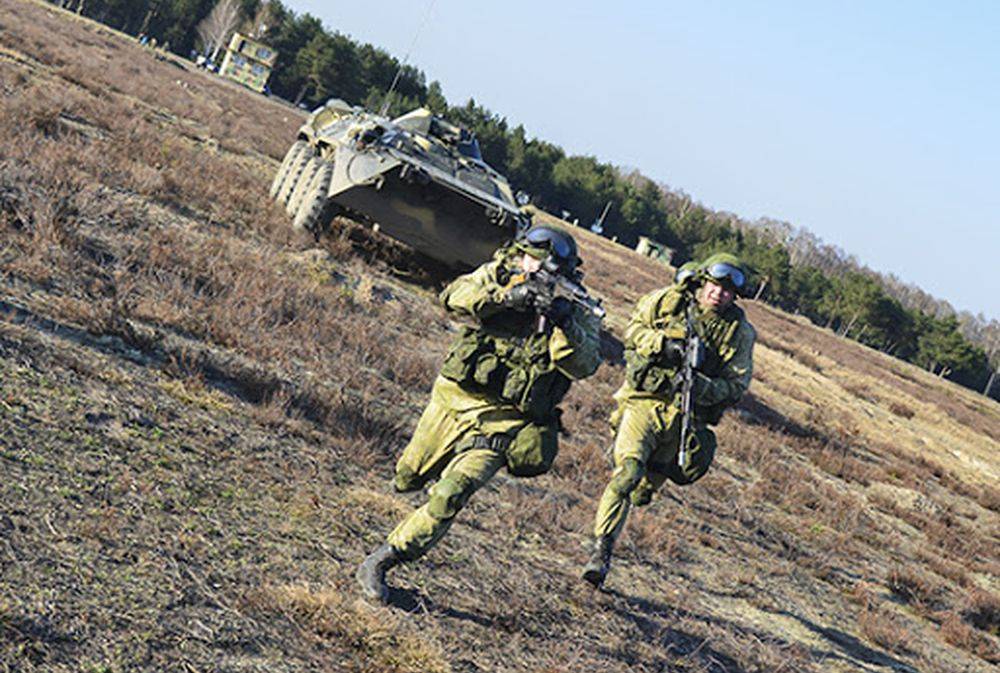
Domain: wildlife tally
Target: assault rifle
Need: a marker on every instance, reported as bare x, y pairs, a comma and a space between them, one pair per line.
691, 360
550, 283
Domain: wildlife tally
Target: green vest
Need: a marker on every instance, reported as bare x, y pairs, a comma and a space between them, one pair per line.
717, 331
507, 360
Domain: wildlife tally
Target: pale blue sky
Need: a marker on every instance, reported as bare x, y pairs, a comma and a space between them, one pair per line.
873, 124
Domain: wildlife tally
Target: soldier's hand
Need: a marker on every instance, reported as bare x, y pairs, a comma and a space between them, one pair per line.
560, 311
521, 297
698, 380
672, 353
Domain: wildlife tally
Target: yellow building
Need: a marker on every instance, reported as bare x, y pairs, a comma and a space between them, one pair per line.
248, 62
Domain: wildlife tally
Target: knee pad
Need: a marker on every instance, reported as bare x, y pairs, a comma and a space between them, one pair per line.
626, 477
448, 496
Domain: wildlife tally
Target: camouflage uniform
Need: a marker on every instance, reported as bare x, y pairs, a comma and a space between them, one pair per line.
494, 403
647, 420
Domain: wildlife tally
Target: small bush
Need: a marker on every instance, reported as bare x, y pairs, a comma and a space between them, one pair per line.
915, 588
882, 627
955, 631
901, 410
982, 610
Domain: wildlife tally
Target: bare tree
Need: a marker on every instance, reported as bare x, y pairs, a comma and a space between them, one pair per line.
263, 21
215, 28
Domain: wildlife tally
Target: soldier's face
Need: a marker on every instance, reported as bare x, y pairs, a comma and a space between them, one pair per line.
530, 264
713, 296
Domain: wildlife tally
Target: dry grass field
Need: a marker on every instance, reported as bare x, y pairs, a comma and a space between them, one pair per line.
200, 410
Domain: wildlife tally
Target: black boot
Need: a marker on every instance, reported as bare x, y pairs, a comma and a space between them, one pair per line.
371, 572
600, 561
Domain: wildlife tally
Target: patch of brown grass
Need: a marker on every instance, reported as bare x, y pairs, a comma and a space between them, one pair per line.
797, 353
902, 410
981, 608
882, 627
956, 631
878, 623
913, 586
375, 636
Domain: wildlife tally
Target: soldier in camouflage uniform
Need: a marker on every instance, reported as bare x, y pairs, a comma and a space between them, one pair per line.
647, 420
495, 402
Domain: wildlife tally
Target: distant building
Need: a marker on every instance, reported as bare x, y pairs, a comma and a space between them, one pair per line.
654, 249
248, 62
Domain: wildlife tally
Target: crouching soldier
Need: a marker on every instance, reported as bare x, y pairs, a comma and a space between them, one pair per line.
495, 402
648, 419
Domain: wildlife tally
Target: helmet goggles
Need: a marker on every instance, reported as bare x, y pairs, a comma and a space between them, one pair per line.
555, 242
727, 274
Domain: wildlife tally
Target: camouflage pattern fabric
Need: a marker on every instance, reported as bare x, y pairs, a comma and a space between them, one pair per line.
647, 425
443, 444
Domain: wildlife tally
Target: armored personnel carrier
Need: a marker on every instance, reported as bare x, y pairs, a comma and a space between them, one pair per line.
418, 178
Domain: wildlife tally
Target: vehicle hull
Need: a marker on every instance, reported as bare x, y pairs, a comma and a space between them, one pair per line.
431, 218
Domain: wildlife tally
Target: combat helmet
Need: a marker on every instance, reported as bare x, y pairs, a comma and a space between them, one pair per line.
685, 271
551, 244
727, 270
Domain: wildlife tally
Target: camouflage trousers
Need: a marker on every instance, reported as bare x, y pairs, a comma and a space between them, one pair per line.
443, 447
647, 438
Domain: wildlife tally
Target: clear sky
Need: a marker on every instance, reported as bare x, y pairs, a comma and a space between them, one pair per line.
876, 125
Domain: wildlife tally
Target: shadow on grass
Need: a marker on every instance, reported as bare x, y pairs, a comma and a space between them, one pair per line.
852, 648
756, 412
674, 641
42, 642
636, 610
413, 601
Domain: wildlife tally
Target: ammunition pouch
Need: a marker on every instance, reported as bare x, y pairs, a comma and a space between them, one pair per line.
648, 375
520, 374
534, 449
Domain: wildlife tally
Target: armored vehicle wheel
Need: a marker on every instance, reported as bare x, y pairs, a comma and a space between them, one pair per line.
302, 184
295, 169
291, 157
315, 200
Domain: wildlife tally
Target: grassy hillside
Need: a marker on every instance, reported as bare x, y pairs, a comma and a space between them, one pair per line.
200, 410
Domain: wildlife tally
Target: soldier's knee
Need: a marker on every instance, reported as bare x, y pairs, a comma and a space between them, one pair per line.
447, 497
626, 477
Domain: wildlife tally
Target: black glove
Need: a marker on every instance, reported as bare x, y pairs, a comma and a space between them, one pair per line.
673, 352
560, 311
700, 382
521, 297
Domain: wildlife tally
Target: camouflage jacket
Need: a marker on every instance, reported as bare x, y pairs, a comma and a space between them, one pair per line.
503, 355
728, 338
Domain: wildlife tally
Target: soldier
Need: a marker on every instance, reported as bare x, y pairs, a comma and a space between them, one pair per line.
495, 402
647, 421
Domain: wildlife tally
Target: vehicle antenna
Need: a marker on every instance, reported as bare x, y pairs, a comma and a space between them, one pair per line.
598, 226
399, 72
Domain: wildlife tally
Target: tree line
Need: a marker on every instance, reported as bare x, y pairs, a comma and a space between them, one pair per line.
792, 268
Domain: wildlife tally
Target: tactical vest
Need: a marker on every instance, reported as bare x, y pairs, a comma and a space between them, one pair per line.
507, 360
718, 332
